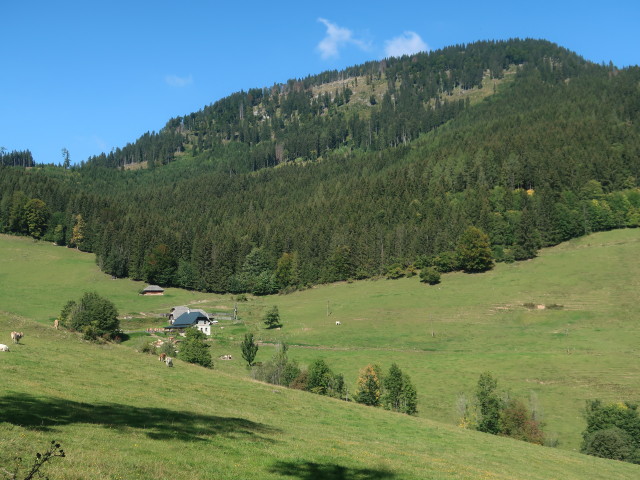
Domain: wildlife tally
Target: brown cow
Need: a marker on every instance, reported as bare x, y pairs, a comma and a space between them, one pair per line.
16, 336
162, 357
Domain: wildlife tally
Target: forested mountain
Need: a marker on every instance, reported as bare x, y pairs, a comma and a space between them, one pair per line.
380, 167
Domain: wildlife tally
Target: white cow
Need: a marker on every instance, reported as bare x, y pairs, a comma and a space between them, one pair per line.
338, 323
16, 336
169, 362
3, 348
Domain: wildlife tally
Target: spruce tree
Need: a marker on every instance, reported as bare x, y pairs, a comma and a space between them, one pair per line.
249, 349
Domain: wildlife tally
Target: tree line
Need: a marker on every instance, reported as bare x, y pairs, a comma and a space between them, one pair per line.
392, 391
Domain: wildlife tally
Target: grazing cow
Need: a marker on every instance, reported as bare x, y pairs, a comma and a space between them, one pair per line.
3, 348
16, 336
338, 323
169, 362
56, 323
162, 357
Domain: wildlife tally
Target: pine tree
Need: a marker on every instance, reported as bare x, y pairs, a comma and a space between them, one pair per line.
249, 349
409, 397
393, 387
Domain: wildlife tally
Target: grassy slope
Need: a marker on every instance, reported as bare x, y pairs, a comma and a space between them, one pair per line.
122, 415
445, 336
478, 321
37, 279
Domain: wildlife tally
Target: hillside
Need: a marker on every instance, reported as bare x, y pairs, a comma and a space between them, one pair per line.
120, 414
522, 139
443, 336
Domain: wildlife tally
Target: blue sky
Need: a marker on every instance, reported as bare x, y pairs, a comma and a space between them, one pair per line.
91, 76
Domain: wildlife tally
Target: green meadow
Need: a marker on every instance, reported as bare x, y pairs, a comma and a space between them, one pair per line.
122, 414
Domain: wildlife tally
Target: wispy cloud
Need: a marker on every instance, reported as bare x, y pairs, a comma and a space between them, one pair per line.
179, 82
405, 44
337, 38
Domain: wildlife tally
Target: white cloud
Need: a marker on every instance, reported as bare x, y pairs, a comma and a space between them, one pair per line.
405, 44
336, 38
176, 81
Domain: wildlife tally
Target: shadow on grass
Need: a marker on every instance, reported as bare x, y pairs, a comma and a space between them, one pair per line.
328, 471
45, 414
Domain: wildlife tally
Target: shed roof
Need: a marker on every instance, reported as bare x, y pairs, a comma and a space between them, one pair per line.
153, 288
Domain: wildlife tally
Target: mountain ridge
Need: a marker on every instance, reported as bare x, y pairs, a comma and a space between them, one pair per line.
539, 161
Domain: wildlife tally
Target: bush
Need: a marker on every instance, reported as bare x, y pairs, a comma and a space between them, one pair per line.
613, 431
323, 381
430, 275
613, 443
300, 382
148, 347
93, 315
394, 272
194, 349
272, 318
446, 262
279, 370
167, 348
423, 261
517, 422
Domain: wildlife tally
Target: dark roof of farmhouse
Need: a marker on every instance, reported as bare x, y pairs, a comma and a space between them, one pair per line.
188, 319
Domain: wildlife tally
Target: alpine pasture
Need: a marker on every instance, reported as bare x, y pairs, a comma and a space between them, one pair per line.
122, 414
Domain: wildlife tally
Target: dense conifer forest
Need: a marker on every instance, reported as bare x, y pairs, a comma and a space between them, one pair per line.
375, 170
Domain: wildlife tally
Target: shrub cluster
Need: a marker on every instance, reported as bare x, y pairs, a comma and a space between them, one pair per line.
499, 414
613, 431
95, 316
393, 391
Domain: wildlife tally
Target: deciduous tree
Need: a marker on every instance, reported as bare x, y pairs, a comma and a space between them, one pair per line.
194, 349
474, 251
369, 389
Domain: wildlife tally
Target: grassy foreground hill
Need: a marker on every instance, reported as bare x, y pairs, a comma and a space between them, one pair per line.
120, 414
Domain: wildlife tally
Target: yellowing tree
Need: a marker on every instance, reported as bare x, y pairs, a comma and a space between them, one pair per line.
369, 386
77, 235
